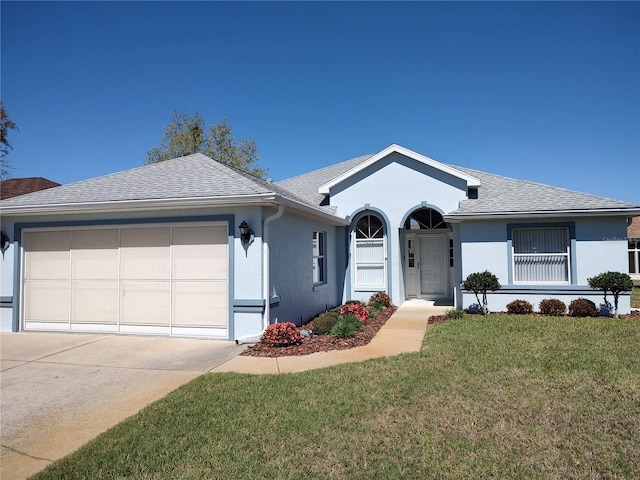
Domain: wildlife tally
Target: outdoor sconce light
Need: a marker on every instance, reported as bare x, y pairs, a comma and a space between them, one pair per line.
4, 242
246, 235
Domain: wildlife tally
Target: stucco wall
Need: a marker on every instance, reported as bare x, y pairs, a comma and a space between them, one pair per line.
291, 258
394, 187
599, 246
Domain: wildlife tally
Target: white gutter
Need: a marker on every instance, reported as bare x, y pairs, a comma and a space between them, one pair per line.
455, 218
144, 204
265, 277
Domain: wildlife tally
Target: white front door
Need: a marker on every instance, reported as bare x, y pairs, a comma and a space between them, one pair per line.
432, 266
426, 266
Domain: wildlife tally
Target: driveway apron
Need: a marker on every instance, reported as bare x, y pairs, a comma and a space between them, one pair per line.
60, 390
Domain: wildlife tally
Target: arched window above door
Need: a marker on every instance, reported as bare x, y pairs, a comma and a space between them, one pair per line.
369, 226
425, 219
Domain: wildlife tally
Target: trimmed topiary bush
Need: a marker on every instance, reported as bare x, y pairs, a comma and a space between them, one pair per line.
381, 298
347, 326
281, 335
614, 282
480, 283
552, 307
519, 307
323, 324
583, 307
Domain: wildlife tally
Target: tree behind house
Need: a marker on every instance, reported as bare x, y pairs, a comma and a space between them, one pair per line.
186, 134
6, 124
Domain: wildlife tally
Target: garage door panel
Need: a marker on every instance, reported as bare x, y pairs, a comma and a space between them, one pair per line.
158, 280
200, 304
95, 302
145, 303
46, 301
200, 253
47, 255
94, 254
145, 253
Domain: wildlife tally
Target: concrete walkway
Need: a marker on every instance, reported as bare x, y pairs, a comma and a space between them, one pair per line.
402, 333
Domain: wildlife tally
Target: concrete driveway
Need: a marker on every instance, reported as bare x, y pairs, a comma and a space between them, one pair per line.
60, 390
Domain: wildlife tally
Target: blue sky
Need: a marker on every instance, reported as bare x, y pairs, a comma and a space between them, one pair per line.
547, 91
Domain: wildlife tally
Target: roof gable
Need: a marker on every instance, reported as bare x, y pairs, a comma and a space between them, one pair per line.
469, 179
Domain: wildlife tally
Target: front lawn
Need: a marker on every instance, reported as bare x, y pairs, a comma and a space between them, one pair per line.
635, 295
497, 397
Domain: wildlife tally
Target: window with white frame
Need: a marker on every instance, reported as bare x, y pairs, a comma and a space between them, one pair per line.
541, 255
370, 253
319, 258
634, 256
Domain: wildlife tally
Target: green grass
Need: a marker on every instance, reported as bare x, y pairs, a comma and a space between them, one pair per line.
497, 397
635, 295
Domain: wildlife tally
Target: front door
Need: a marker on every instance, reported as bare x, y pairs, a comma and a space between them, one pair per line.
432, 266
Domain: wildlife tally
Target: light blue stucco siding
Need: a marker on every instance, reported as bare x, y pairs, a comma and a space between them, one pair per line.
598, 244
291, 268
6, 281
393, 187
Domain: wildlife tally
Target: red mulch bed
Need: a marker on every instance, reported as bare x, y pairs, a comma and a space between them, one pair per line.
323, 343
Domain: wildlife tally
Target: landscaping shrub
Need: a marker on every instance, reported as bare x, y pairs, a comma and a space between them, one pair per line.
356, 309
614, 282
582, 307
454, 313
479, 283
552, 307
519, 307
281, 335
324, 323
347, 326
382, 298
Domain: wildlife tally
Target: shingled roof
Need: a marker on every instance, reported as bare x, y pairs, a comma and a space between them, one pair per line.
14, 187
497, 195
189, 178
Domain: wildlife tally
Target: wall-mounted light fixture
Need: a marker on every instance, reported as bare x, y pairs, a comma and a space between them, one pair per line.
4, 242
246, 235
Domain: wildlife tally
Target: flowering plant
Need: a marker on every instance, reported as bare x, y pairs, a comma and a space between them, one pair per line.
281, 335
357, 309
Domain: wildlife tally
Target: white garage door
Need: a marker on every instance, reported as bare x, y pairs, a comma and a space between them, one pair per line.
157, 280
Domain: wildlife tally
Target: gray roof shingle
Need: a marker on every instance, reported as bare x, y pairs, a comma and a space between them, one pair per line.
496, 194
192, 176
503, 195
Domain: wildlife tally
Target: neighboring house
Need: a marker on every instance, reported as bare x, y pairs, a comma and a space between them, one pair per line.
633, 238
21, 186
193, 247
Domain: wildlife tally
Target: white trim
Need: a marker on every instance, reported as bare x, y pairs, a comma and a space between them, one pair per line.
394, 148
172, 203
458, 217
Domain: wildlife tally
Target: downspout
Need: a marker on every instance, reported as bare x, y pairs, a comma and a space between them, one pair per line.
265, 277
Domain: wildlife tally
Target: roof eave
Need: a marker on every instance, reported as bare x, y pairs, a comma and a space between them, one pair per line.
625, 212
173, 203
471, 181
144, 204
